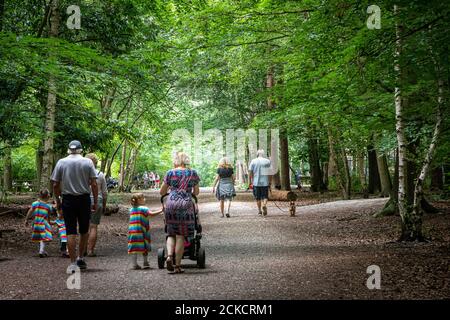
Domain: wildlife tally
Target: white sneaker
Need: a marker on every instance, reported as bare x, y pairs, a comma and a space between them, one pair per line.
72, 268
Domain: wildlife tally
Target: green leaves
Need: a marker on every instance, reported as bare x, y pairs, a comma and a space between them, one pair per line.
170, 62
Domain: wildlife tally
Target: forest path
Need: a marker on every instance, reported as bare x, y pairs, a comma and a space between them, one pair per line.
321, 253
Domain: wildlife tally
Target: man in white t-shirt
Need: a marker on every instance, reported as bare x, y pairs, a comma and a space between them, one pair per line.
73, 178
259, 178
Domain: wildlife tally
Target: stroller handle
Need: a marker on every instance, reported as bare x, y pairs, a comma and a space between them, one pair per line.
193, 197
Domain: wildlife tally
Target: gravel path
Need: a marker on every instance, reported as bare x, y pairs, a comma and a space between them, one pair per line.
322, 253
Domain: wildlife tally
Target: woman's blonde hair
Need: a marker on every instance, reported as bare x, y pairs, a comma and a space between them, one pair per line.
135, 198
93, 157
225, 163
181, 158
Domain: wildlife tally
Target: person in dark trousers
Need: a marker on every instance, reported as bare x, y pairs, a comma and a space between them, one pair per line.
101, 208
259, 178
298, 179
74, 177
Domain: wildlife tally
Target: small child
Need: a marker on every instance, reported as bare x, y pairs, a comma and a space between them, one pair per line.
139, 240
40, 212
62, 233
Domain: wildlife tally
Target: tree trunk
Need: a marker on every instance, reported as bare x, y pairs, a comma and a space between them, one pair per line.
325, 174
394, 194
404, 210
411, 223
385, 177
391, 206
128, 166
275, 182
437, 179
418, 202
411, 166
110, 161
131, 165
105, 107
282, 195
39, 157
284, 162
362, 174
374, 176
416, 232
7, 168
103, 162
50, 114
339, 157
48, 156
314, 165
446, 168
270, 83
331, 172
347, 175
122, 167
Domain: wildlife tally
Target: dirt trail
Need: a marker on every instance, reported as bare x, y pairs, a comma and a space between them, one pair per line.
322, 253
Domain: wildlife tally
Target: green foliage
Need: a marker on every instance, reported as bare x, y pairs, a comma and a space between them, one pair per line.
165, 64
24, 163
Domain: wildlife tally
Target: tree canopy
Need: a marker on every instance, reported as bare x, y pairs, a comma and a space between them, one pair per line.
138, 70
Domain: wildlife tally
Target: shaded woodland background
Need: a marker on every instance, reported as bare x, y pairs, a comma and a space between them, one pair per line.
360, 111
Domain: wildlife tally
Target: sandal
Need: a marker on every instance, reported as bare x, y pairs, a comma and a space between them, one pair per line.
169, 263
178, 269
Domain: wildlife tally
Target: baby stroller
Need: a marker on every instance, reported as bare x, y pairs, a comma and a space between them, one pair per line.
192, 247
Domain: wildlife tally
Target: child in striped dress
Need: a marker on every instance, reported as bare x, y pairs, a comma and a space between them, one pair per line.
139, 240
62, 234
40, 212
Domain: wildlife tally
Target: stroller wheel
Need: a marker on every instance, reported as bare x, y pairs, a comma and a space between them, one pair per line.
201, 258
161, 259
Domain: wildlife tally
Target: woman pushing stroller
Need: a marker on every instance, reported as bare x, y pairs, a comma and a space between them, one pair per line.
182, 183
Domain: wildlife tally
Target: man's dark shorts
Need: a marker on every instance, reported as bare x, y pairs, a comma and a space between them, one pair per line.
261, 193
76, 209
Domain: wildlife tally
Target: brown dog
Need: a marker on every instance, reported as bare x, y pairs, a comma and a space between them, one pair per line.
292, 208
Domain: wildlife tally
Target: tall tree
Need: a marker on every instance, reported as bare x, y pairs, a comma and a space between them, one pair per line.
285, 180
7, 168
417, 211
385, 177
362, 173
50, 113
374, 175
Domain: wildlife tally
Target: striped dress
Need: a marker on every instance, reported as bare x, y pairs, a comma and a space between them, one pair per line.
61, 229
139, 231
41, 227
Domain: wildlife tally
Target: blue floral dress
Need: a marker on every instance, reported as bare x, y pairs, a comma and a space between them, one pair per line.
179, 208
